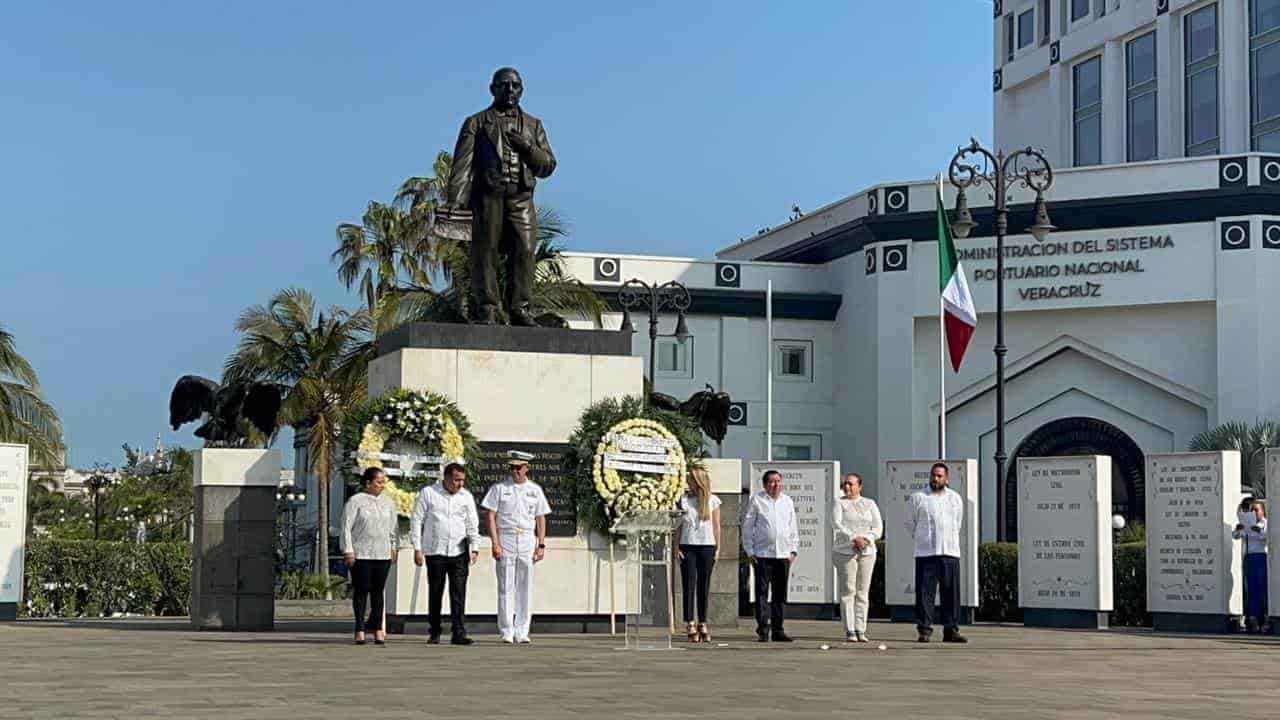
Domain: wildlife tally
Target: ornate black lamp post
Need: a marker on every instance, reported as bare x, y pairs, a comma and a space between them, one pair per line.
292, 497
97, 483
973, 166
655, 298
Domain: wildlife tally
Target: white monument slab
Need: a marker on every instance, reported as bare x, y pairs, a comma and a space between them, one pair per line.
13, 526
1064, 541
901, 479
1273, 535
812, 487
1194, 575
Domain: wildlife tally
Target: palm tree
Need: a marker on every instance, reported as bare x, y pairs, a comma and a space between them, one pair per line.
26, 417
1252, 442
377, 252
321, 358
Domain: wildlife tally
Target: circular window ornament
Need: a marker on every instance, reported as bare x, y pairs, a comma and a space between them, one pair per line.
1234, 235
1233, 172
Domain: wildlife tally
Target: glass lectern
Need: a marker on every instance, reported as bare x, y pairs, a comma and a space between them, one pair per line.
646, 535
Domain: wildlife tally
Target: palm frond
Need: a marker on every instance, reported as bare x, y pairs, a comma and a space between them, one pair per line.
1250, 440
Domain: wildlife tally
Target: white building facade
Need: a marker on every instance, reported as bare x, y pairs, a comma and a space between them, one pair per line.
1144, 320
1098, 82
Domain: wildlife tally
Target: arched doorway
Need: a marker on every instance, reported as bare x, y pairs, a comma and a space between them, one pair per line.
1081, 436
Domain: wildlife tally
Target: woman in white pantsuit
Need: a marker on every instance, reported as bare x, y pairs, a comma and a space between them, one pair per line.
857, 524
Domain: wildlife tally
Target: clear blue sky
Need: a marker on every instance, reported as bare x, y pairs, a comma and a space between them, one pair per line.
166, 165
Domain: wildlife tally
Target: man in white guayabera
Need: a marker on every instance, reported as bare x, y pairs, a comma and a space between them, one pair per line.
771, 538
934, 519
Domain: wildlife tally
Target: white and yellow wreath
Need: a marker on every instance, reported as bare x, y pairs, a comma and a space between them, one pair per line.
620, 485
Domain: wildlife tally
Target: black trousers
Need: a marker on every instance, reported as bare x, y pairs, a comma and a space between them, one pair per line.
771, 593
368, 584
938, 574
695, 577
502, 224
455, 569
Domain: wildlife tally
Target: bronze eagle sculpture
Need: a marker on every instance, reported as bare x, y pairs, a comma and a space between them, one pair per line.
230, 410
708, 407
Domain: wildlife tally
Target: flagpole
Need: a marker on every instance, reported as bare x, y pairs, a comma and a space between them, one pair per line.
942, 365
768, 402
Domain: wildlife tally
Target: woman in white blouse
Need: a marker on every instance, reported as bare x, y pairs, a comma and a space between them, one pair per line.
697, 538
857, 524
369, 548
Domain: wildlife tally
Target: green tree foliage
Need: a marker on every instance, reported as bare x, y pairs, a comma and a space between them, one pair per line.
1250, 440
26, 417
84, 578
321, 358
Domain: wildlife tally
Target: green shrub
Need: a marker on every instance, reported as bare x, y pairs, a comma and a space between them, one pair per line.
998, 583
1134, 532
87, 578
307, 586
1129, 577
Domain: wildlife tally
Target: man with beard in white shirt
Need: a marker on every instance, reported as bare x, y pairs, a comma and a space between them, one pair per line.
771, 538
934, 519
517, 522
445, 530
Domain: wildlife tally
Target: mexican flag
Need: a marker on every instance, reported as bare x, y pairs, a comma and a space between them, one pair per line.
958, 315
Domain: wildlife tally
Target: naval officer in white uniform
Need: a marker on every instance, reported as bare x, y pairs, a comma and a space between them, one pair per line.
517, 522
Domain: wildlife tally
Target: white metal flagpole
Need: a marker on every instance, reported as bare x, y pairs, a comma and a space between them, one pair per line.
942, 358
768, 401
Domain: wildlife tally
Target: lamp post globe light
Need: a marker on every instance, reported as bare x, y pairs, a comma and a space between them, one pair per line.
291, 498
672, 295
974, 166
97, 483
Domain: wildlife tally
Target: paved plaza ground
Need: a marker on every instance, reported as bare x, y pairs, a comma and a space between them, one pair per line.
158, 668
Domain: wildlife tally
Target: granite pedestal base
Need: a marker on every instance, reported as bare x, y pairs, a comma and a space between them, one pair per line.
1071, 619
907, 613
1192, 623
8, 611
233, 563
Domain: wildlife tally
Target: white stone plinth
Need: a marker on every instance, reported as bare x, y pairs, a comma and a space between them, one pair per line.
573, 579
237, 467
901, 479
512, 396
1273, 535
1064, 533
1193, 564
13, 526
726, 475
812, 487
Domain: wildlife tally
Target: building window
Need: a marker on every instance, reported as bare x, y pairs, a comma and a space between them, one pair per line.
1087, 96
1264, 70
1079, 9
1200, 40
797, 447
675, 358
1026, 29
1140, 67
793, 360
1044, 22
1008, 37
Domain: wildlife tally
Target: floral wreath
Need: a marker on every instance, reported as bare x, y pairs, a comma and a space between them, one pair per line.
427, 420
638, 466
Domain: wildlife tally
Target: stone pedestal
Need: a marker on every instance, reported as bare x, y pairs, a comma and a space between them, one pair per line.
900, 480
1064, 541
13, 527
233, 567
1194, 579
517, 386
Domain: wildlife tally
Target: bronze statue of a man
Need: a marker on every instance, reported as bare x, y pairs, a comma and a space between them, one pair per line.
501, 153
